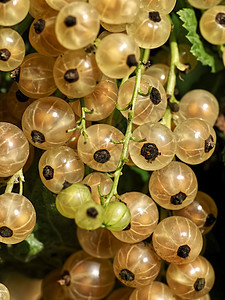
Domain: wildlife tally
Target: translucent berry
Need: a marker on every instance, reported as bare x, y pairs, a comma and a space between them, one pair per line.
45, 122
158, 71
196, 140
70, 199
4, 292
150, 105
202, 211
117, 55
17, 218
13, 11
177, 240
59, 167
162, 6
99, 150
86, 276
144, 218
204, 4
158, 148
122, 293
77, 25
76, 73
99, 242
174, 186
135, 272
150, 29
14, 149
192, 280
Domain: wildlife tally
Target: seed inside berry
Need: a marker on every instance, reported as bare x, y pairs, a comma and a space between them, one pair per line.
155, 96
37, 137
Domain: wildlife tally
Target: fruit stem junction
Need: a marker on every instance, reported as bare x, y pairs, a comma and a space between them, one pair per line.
16, 178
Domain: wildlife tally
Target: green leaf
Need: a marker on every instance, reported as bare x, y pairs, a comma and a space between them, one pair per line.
206, 57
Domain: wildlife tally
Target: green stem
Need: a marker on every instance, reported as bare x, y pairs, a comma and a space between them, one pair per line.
16, 178
128, 134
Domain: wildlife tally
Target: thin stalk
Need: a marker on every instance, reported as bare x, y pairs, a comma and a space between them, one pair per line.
128, 134
16, 178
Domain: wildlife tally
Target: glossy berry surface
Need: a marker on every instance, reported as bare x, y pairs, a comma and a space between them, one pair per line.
89, 216
43, 38
135, 272
14, 149
156, 151
60, 166
13, 11
12, 49
202, 211
70, 199
162, 6
117, 55
154, 291
177, 240
17, 218
76, 73
77, 25
144, 217
150, 29
174, 186
212, 25
116, 216
116, 12
101, 102
99, 242
88, 276
35, 78
150, 106
4, 292
98, 151
192, 280
122, 293
39, 8
204, 4
199, 104
40, 122
158, 71
195, 140
59, 4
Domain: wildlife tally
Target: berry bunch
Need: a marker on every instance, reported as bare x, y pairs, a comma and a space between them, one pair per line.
88, 93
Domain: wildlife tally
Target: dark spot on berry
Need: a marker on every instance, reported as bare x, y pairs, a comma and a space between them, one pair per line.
15, 74
131, 61
70, 21
102, 156
91, 48
183, 251
209, 144
150, 152
71, 75
4, 54
21, 97
5, 232
66, 184
199, 284
220, 19
128, 227
37, 137
154, 16
39, 26
155, 96
210, 220
4, 1
92, 212
48, 172
65, 278
178, 198
126, 275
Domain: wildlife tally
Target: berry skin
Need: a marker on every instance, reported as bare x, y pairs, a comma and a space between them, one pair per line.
13, 11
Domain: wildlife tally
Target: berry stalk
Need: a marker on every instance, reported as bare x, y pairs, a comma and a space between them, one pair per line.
128, 134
